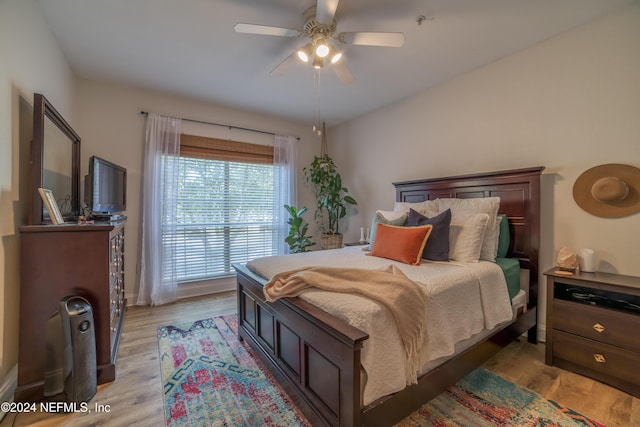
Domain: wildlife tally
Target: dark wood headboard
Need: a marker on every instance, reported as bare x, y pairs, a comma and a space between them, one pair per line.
519, 192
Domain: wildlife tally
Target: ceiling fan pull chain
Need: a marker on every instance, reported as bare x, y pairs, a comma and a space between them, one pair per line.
324, 149
316, 118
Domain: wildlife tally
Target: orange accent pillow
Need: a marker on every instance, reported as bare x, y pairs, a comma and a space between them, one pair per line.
404, 244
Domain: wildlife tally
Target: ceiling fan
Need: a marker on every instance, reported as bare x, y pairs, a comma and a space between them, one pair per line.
320, 27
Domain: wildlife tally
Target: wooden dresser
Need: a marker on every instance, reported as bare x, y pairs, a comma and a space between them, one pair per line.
593, 324
61, 260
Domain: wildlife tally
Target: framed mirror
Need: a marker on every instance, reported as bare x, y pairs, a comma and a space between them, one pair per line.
55, 162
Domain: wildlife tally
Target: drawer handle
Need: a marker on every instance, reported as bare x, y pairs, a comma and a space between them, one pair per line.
599, 358
598, 327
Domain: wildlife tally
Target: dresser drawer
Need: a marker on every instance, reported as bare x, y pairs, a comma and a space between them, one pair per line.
599, 324
603, 362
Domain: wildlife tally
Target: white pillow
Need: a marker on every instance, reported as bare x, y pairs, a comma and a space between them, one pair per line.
391, 215
486, 205
427, 208
466, 235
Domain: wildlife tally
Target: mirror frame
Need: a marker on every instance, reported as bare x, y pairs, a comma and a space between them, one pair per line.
42, 110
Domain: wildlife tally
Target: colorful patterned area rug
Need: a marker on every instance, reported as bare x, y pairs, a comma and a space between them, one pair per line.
483, 398
211, 379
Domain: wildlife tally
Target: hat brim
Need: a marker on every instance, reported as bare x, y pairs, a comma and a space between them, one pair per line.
630, 205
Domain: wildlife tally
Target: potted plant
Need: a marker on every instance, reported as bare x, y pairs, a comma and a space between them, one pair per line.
297, 239
331, 198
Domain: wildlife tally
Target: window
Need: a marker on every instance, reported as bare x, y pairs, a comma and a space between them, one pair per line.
225, 208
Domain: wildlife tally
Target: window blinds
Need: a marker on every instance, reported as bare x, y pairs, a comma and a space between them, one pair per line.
220, 149
225, 208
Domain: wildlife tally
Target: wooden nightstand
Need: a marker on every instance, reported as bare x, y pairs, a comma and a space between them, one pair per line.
593, 324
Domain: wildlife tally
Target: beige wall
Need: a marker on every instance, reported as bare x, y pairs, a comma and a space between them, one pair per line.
30, 61
569, 103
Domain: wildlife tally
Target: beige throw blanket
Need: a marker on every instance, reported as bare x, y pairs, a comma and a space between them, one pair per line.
391, 287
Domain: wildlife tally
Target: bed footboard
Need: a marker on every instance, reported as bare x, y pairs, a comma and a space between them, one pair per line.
315, 355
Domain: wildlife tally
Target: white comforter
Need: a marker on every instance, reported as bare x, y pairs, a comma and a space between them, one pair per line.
463, 299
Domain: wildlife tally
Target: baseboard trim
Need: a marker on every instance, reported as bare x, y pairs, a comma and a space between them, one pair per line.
542, 333
8, 387
188, 290
196, 289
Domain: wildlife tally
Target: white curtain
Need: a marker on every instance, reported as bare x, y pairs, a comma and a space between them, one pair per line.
285, 160
158, 282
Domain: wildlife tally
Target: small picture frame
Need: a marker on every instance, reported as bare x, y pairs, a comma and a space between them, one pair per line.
51, 205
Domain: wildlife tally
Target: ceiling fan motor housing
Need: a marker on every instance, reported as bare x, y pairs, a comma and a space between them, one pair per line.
312, 27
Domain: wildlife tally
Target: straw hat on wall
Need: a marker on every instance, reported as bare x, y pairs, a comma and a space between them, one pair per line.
610, 191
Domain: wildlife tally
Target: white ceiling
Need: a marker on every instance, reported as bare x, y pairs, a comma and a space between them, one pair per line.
189, 47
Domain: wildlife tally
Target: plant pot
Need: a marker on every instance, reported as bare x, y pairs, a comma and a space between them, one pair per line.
331, 241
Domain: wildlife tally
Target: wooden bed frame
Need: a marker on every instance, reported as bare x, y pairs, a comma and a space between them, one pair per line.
316, 357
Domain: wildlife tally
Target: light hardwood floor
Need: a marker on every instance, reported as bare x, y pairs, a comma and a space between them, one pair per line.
135, 398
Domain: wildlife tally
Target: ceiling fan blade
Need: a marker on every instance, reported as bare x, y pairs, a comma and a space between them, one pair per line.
373, 39
343, 72
266, 30
284, 65
325, 11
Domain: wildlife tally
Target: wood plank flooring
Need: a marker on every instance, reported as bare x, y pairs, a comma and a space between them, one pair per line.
135, 398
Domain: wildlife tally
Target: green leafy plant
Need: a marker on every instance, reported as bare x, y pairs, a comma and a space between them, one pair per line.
297, 239
331, 197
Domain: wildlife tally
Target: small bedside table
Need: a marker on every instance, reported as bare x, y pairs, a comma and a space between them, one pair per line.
592, 327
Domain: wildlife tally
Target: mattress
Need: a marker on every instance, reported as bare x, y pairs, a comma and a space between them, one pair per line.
463, 300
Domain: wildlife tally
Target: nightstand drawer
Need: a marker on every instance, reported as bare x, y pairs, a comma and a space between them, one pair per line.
604, 362
599, 324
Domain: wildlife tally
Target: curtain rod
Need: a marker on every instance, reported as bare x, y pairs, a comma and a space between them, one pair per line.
226, 126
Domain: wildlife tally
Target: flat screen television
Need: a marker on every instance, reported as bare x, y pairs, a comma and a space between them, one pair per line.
105, 189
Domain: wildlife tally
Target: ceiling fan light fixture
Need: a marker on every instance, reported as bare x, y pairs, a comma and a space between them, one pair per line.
336, 56
318, 62
303, 56
322, 49
304, 53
